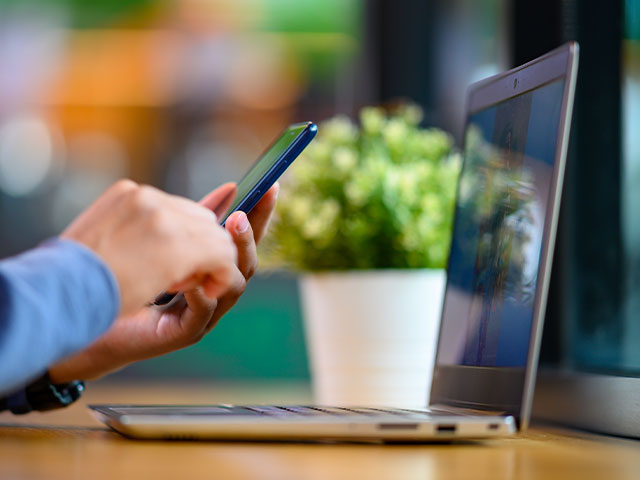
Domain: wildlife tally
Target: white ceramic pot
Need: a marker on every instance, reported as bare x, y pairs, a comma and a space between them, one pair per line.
371, 335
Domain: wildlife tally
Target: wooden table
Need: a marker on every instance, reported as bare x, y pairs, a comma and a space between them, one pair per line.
70, 444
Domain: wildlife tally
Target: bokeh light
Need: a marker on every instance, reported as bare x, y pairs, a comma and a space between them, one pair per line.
26, 155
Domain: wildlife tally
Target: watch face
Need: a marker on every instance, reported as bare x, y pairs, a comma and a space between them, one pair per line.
42, 395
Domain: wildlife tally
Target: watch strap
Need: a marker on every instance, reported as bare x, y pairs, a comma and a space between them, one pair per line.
42, 395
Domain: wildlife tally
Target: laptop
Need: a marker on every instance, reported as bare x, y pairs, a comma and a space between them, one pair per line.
515, 142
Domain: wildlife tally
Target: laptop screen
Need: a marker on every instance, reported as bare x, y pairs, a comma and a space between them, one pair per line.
516, 135
504, 191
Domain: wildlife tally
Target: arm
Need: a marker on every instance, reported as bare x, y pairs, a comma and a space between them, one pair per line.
51, 302
54, 300
153, 330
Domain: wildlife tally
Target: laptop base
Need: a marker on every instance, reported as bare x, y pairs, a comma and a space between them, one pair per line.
293, 422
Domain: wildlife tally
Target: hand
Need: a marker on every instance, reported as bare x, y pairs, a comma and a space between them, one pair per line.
154, 331
153, 241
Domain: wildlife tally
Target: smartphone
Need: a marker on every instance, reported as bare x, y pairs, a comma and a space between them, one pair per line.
270, 165
263, 174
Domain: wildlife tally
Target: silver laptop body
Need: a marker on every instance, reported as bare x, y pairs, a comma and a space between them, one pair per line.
515, 141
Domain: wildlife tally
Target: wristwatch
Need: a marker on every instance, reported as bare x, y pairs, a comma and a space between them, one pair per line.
42, 395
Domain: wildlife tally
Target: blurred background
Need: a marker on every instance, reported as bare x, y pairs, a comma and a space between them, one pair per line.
184, 94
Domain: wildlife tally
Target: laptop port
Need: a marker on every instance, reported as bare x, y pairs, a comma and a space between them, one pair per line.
446, 428
397, 426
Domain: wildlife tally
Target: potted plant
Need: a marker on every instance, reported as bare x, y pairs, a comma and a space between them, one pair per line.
366, 214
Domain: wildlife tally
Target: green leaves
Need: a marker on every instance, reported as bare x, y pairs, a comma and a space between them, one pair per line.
378, 195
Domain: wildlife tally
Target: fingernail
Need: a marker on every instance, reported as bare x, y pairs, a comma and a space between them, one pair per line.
242, 223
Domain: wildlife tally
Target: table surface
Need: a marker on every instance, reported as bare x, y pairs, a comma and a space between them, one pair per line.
70, 443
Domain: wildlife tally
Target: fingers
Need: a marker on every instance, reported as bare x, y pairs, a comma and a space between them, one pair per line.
223, 306
213, 285
209, 297
211, 252
225, 303
261, 214
203, 243
242, 233
240, 229
203, 313
182, 205
197, 317
221, 199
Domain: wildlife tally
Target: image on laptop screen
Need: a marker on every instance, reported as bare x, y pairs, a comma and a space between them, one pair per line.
504, 192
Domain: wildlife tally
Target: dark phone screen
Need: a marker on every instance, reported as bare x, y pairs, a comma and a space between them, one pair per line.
267, 160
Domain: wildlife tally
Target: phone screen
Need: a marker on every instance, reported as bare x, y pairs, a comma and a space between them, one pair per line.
264, 164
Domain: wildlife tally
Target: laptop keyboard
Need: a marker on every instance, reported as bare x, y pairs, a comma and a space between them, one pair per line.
287, 411
313, 411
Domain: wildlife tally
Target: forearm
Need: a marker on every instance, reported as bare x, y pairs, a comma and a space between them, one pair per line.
54, 300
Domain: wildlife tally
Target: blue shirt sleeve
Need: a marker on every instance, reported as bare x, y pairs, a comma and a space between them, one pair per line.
54, 300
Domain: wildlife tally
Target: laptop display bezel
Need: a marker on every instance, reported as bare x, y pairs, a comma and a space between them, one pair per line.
508, 389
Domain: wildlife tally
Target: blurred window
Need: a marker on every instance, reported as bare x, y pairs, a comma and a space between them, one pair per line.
629, 358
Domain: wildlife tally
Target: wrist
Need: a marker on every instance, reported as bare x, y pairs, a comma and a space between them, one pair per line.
62, 373
92, 363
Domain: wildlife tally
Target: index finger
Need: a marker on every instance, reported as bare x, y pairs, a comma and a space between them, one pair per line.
220, 199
